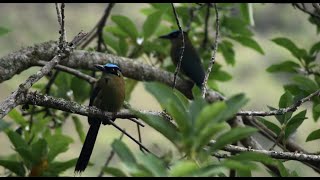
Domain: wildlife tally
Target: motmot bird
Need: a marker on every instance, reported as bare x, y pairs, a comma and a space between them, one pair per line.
108, 94
191, 64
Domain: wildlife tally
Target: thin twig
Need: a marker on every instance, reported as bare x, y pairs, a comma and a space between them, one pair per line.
314, 15
109, 158
213, 58
139, 136
51, 81
280, 111
101, 25
182, 47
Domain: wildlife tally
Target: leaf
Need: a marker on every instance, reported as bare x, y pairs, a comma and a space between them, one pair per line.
295, 122
314, 135
315, 49
17, 117
286, 66
286, 100
167, 129
14, 166
4, 125
116, 31
57, 168
226, 48
58, 144
180, 116
183, 168
153, 164
4, 31
221, 76
124, 152
126, 25
232, 136
270, 125
315, 112
236, 26
151, 24
249, 42
209, 114
79, 128
80, 89
160, 6
114, 171
305, 83
234, 104
111, 42
247, 13
39, 150
289, 45
21, 147
123, 47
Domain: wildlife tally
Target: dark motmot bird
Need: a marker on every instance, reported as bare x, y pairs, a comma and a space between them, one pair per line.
108, 95
191, 64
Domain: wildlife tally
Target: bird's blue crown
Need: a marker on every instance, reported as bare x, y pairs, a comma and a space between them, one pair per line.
110, 65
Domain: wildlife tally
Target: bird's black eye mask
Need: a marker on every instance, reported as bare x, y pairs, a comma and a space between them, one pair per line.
113, 70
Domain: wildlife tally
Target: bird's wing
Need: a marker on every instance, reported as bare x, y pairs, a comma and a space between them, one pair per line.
94, 94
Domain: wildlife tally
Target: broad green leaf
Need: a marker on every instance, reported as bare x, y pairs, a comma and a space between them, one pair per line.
315, 112
56, 168
295, 122
58, 144
236, 26
289, 45
114, 172
183, 168
285, 101
209, 114
126, 25
17, 140
234, 104
315, 49
116, 31
167, 129
4, 31
80, 88
124, 152
247, 13
153, 164
123, 47
17, 117
249, 42
227, 51
14, 166
232, 136
79, 128
314, 135
111, 42
181, 117
239, 165
39, 150
196, 107
270, 125
63, 83
4, 125
160, 6
286, 66
151, 24
207, 171
305, 83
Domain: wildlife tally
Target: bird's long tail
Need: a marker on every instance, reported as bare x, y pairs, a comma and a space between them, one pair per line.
87, 147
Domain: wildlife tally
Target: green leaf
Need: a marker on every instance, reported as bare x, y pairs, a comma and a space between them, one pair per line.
289, 45
111, 42
160, 6
315, 49
80, 88
79, 128
294, 123
39, 150
226, 48
315, 112
63, 83
114, 172
153, 164
4, 31
314, 135
17, 117
249, 42
305, 83
17, 140
247, 13
234, 104
286, 66
286, 100
116, 31
14, 166
151, 24
164, 127
126, 25
232, 136
196, 107
4, 125
58, 144
56, 168
270, 125
236, 26
209, 114
123, 47
221, 76
180, 116
183, 168
124, 152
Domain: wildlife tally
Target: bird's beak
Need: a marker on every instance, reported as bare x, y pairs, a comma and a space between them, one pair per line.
164, 36
100, 67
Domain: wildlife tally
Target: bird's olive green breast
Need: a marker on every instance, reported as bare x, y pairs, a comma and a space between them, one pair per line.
112, 93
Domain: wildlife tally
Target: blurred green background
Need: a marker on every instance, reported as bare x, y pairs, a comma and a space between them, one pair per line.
35, 23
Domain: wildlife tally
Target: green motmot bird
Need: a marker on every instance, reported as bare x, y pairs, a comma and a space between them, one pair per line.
108, 95
191, 64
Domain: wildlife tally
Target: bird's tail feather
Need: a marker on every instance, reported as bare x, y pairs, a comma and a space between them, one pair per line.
87, 147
